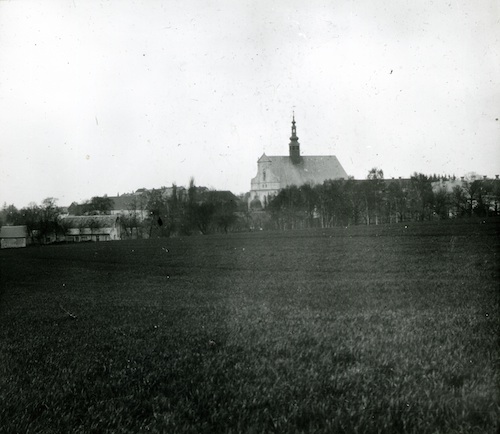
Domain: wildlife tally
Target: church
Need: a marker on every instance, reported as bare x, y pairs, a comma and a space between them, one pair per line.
277, 172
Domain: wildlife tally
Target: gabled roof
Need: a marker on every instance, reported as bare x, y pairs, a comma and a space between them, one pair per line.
311, 169
94, 221
264, 159
124, 201
13, 232
219, 195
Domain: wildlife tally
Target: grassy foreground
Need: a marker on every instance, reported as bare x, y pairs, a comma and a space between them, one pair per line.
357, 330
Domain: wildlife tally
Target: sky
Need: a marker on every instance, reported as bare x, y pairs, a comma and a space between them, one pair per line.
105, 97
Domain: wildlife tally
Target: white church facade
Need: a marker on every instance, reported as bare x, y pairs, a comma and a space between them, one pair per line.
277, 172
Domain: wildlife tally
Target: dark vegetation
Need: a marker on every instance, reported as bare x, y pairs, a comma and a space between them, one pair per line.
148, 213
184, 212
389, 328
376, 200
177, 211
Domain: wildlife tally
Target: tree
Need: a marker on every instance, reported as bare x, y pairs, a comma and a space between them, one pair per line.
202, 214
158, 211
190, 214
421, 196
495, 195
289, 208
442, 201
352, 191
10, 215
209, 211
375, 174
198, 211
459, 201
331, 202
100, 205
476, 191
309, 202
372, 193
177, 211
396, 201
75, 209
225, 208
225, 220
133, 218
31, 218
48, 222
483, 191
85, 208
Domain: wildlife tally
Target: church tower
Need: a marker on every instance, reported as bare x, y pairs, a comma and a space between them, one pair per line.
294, 144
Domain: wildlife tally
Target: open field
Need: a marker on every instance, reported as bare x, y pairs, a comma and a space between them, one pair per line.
379, 329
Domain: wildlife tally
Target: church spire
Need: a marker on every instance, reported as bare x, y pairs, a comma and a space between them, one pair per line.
294, 145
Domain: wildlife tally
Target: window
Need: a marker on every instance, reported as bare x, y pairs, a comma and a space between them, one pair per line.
264, 175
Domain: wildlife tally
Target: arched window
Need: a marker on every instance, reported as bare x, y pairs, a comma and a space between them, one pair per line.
264, 175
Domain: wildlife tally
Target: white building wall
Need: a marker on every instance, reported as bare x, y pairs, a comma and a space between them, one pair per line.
12, 243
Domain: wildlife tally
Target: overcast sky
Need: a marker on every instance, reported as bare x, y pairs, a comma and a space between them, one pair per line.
105, 97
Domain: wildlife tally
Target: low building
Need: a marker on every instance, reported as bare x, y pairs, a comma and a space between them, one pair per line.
13, 237
91, 228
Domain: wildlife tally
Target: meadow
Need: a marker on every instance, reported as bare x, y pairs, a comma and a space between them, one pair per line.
381, 329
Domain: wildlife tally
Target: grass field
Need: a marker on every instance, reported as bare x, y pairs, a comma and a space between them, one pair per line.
386, 329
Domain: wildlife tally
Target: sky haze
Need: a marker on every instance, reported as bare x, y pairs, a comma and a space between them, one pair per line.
107, 97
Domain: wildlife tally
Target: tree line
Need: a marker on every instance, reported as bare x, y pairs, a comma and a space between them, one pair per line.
179, 211
377, 200
156, 212
40, 220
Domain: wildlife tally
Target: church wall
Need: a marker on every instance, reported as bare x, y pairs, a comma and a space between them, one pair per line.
265, 184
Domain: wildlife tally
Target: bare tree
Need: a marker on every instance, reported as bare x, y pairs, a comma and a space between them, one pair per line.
421, 196
31, 218
49, 213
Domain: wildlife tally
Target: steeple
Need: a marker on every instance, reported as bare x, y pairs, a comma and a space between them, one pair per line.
294, 145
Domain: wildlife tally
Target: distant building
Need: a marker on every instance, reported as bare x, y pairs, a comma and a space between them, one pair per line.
13, 237
277, 172
447, 185
136, 203
219, 197
478, 193
128, 204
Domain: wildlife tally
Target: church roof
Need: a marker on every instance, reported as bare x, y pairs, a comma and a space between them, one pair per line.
264, 159
311, 169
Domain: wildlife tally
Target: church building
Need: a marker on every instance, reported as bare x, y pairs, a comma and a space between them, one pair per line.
277, 172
